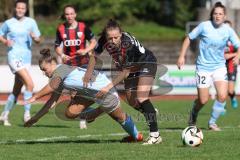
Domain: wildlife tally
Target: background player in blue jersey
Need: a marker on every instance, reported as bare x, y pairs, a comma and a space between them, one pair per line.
210, 64
229, 55
17, 33
70, 78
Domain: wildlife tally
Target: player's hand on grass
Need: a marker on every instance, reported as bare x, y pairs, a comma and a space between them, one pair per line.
180, 62
30, 122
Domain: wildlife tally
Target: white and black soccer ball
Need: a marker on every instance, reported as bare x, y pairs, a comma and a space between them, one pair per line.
192, 136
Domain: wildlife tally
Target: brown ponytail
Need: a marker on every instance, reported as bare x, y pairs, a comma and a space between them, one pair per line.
46, 56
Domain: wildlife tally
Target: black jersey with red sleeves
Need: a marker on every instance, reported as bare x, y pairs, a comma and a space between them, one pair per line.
72, 40
130, 53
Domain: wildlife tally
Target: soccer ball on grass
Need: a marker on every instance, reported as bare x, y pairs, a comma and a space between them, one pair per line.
192, 136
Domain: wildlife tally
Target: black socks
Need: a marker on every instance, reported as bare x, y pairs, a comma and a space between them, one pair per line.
149, 112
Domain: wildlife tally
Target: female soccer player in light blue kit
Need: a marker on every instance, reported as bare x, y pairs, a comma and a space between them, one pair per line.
210, 64
17, 34
71, 78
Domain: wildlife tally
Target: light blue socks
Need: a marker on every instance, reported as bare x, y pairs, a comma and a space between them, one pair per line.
10, 103
217, 110
130, 127
26, 96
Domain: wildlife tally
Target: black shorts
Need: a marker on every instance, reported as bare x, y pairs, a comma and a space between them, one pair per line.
146, 70
232, 76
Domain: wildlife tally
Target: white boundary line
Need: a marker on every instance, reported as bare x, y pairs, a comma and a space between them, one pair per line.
58, 138
52, 139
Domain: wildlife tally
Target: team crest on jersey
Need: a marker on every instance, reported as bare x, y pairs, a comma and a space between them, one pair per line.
79, 34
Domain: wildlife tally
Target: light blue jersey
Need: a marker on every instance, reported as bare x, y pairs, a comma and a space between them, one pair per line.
19, 33
75, 80
72, 79
212, 43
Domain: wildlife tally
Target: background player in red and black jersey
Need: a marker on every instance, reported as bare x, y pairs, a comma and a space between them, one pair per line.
71, 39
70, 45
137, 66
230, 53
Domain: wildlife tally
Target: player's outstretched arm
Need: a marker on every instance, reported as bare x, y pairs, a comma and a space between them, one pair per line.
44, 91
124, 74
52, 101
90, 68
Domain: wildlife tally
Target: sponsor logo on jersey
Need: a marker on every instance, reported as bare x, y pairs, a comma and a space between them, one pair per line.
145, 70
72, 42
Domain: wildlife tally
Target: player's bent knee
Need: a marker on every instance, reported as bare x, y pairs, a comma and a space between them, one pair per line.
70, 115
140, 100
222, 98
203, 101
29, 86
133, 103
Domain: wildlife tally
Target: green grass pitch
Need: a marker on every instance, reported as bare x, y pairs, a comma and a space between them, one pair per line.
54, 139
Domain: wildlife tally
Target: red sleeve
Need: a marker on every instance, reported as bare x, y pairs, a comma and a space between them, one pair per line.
231, 48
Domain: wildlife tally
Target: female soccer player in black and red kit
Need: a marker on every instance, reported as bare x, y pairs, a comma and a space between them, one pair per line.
230, 53
71, 39
137, 67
